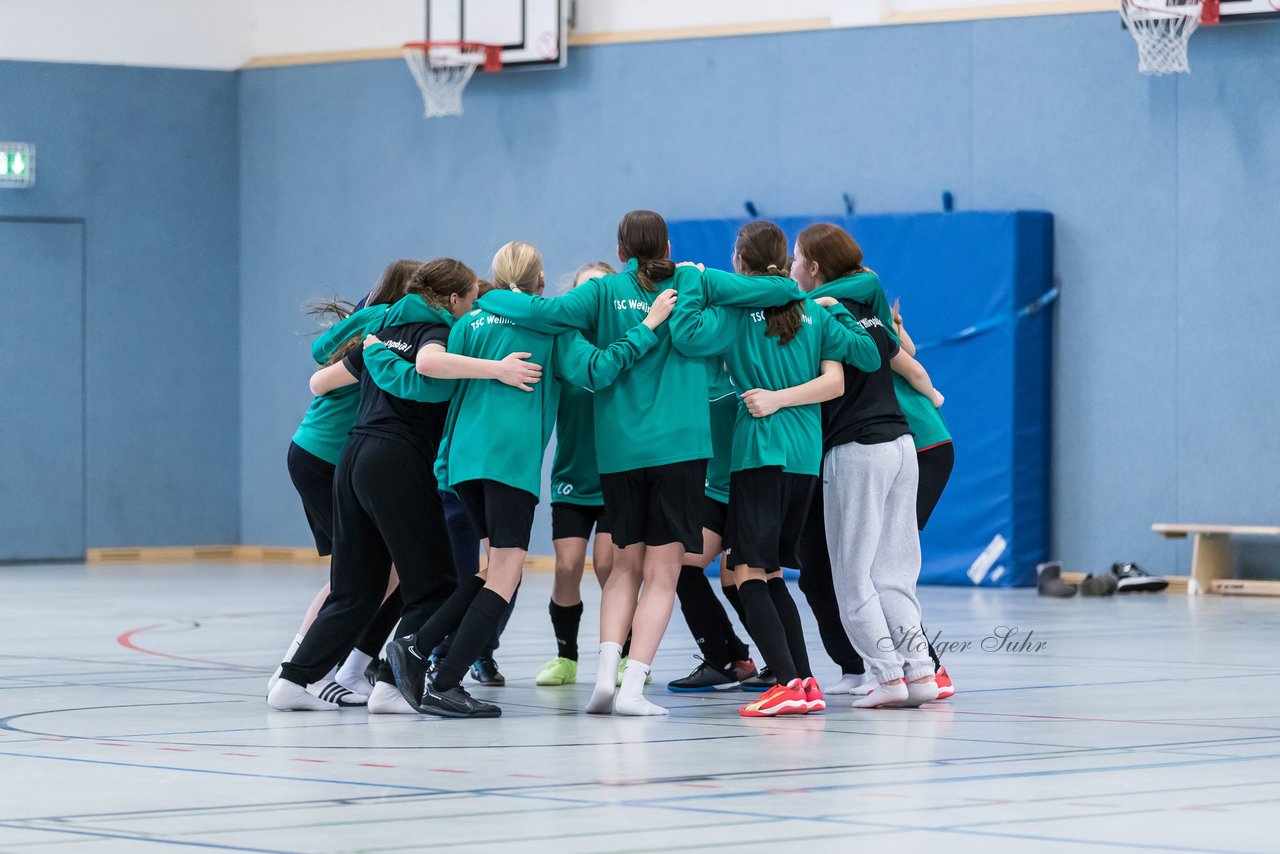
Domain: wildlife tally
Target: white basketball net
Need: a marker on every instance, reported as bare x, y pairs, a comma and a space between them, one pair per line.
442, 77
1162, 29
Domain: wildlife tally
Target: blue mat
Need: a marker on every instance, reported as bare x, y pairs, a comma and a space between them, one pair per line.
975, 289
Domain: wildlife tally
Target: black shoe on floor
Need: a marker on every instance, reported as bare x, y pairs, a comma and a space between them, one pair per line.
762, 681
409, 669
1049, 581
485, 671
371, 672
705, 677
1099, 585
455, 703
1134, 579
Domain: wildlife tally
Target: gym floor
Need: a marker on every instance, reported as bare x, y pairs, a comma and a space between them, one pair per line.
133, 718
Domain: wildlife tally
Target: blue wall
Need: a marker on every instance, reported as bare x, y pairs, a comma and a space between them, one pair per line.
1164, 199
147, 157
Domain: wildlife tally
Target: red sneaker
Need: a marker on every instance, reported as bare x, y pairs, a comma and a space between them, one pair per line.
813, 696
786, 699
745, 669
945, 688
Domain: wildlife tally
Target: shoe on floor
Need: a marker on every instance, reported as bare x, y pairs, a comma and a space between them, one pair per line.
371, 672
705, 677
744, 669
1049, 581
455, 703
408, 667
485, 671
558, 671
945, 688
1134, 579
786, 699
386, 700
853, 683
622, 668
1099, 585
762, 681
813, 696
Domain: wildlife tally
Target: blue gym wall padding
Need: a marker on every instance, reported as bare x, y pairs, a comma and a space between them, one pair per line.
975, 290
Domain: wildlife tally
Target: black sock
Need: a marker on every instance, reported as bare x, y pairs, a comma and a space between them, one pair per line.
375, 634
735, 599
564, 622
469, 640
789, 614
704, 615
767, 630
738, 649
626, 646
448, 616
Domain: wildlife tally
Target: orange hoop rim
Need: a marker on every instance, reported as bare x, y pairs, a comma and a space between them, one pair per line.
492, 52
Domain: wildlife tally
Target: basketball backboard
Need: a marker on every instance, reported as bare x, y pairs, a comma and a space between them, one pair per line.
533, 33
1241, 11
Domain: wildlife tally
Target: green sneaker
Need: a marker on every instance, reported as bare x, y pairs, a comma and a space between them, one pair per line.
558, 671
622, 668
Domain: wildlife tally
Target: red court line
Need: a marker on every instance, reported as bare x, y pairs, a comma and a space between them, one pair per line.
315, 761
450, 771
250, 755
126, 641
375, 765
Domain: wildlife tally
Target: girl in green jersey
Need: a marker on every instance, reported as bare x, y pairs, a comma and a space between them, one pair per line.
774, 462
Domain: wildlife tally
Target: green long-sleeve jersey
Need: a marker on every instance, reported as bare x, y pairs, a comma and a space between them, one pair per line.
723, 400
330, 417
928, 427
792, 436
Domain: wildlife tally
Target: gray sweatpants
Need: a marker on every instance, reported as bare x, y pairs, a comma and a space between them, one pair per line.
870, 508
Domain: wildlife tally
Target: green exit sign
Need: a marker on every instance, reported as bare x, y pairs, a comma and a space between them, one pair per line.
17, 164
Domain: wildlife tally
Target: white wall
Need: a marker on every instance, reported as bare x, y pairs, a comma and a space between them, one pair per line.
226, 34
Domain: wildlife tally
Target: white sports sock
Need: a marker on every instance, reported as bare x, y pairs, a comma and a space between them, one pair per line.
386, 699
601, 702
919, 693
852, 683
883, 695
631, 699
351, 673
286, 696
288, 656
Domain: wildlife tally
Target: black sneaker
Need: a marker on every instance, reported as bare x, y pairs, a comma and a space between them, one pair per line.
1049, 581
706, 677
371, 672
1134, 579
409, 669
455, 703
762, 681
485, 671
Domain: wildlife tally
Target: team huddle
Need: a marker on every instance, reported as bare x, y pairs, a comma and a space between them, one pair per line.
773, 416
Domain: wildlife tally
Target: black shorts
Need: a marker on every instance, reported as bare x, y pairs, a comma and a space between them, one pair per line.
576, 521
767, 512
313, 478
501, 513
714, 514
658, 505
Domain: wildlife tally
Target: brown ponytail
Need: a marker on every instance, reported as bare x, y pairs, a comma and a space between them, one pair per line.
441, 278
838, 255
761, 249
642, 235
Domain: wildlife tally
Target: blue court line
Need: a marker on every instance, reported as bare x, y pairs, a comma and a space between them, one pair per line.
161, 841
418, 789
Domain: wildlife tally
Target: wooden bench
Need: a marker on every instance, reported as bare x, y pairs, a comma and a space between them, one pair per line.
1211, 570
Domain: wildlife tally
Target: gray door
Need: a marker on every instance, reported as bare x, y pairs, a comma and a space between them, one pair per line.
42, 394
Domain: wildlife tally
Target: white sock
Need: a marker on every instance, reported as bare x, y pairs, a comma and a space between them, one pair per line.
386, 699
601, 702
351, 673
288, 656
883, 695
852, 683
919, 693
286, 696
631, 699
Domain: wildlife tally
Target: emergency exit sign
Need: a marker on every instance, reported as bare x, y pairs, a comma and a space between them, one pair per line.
17, 164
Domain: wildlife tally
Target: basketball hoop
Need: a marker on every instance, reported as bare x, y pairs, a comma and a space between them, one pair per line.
1162, 29
443, 69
